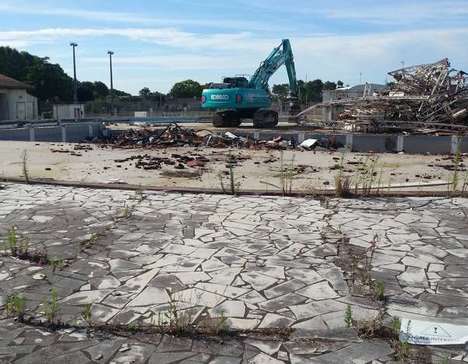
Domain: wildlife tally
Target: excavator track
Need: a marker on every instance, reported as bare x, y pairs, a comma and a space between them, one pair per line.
265, 118
226, 118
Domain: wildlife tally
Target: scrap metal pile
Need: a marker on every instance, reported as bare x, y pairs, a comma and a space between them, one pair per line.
429, 96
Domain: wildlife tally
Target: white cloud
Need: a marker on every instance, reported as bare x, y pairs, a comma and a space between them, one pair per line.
164, 36
199, 56
132, 17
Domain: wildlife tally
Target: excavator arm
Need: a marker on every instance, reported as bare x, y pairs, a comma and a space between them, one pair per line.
281, 55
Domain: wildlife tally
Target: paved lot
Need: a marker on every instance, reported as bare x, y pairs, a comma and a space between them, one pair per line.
258, 170
259, 262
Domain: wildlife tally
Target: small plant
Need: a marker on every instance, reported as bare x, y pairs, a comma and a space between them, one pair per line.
25, 167
403, 351
342, 185
89, 242
23, 247
12, 241
132, 327
348, 316
86, 314
457, 160
287, 174
234, 187
396, 326
16, 306
445, 360
56, 263
379, 290
51, 307
222, 325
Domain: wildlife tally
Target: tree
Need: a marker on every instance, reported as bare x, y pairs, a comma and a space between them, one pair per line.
85, 91
339, 84
329, 85
145, 92
49, 81
187, 88
100, 90
281, 90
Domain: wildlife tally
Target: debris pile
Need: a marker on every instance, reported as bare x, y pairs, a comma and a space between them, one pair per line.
176, 136
429, 96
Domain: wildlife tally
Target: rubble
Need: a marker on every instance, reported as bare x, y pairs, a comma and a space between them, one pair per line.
177, 136
429, 97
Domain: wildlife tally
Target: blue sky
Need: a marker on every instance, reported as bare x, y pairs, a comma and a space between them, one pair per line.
159, 42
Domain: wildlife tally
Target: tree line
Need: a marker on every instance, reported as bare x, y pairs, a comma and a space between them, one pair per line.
50, 84
310, 91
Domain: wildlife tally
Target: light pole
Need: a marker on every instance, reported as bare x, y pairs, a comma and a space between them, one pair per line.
110, 53
75, 92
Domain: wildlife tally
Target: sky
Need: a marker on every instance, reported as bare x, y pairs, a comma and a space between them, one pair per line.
159, 42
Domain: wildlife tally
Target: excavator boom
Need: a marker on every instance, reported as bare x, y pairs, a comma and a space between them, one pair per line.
281, 55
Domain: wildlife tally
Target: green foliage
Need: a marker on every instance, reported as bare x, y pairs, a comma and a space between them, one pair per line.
51, 307
49, 81
403, 351
187, 88
56, 263
348, 316
145, 92
281, 90
396, 326
86, 313
310, 91
12, 241
379, 289
15, 306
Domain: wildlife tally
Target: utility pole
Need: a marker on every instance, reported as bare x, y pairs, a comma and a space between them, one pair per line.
110, 53
75, 86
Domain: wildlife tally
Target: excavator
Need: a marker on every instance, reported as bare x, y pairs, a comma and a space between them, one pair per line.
237, 98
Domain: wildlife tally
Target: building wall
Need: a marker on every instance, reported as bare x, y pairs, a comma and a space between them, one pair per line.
17, 105
69, 111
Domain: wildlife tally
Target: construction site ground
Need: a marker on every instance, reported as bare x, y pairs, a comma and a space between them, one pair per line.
277, 272
253, 170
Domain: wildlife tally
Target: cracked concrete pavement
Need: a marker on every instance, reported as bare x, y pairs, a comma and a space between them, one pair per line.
261, 262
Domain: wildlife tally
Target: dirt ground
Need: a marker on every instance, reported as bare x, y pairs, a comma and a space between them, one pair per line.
260, 170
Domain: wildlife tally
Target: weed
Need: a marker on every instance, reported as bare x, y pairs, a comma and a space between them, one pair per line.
51, 307
445, 359
342, 182
23, 247
348, 316
234, 187
287, 174
367, 177
56, 263
25, 166
403, 351
456, 162
16, 306
379, 290
396, 326
89, 242
342, 185
12, 241
86, 314
222, 325
133, 327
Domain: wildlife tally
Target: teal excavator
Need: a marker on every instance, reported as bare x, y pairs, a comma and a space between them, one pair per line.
237, 98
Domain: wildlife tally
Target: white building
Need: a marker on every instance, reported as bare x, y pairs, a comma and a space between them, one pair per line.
69, 111
354, 92
15, 102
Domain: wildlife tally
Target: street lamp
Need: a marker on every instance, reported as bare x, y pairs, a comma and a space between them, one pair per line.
110, 53
75, 92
